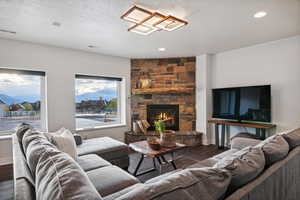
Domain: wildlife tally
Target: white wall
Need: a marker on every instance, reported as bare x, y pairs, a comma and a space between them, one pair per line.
60, 66
276, 63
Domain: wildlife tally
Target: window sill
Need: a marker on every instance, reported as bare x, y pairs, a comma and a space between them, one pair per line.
5, 137
101, 127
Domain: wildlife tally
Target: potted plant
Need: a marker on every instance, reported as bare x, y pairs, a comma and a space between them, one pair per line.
167, 137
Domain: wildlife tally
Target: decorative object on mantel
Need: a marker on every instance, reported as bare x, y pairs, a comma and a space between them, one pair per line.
135, 128
147, 22
145, 83
167, 137
140, 126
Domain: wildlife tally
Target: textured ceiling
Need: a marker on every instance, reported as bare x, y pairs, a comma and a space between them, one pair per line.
214, 25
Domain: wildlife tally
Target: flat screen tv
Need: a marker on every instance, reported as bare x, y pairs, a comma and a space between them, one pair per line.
252, 103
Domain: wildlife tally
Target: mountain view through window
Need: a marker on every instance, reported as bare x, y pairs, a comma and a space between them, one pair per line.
97, 101
20, 100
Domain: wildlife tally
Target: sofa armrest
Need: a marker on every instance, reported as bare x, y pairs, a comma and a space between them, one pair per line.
241, 142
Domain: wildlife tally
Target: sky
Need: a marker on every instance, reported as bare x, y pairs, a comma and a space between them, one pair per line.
15, 85
19, 85
85, 86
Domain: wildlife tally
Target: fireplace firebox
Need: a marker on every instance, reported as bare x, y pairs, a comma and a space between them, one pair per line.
167, 112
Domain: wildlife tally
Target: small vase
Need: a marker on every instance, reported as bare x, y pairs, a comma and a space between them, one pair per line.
168, 138
145, 83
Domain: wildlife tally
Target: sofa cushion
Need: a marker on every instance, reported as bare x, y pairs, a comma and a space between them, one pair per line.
111, 179
243, 142
194, 183
20, 131
210, 162
292, 137
32, 148
105, 147
116, 195
163, 176
244, 165
225, 154
91, 161
275, 148
57, 175
64, 140
246, 135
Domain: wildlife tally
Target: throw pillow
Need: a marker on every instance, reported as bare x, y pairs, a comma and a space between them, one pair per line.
198, 183
275, 148
244, 165
292, 137
64, 140
57, 175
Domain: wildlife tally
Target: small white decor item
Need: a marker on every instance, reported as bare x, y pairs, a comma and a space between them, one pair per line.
63, 139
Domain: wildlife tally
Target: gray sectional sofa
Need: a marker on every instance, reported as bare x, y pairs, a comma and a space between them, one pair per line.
105, 174
273, 172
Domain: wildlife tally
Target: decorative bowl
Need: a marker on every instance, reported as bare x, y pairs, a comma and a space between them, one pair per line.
153, 143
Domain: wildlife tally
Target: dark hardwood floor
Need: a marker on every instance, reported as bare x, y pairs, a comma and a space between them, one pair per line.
183, 159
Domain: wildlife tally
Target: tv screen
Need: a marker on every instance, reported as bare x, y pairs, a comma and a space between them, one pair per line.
243, 103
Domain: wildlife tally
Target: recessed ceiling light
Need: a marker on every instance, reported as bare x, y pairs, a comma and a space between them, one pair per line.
161, 49
260, 14
58, 24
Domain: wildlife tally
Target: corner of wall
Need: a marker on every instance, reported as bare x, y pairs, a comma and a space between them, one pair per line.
203, 95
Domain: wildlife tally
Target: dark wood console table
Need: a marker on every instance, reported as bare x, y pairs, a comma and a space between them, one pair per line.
260, 129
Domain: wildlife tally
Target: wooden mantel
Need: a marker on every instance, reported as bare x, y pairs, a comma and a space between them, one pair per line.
175, 90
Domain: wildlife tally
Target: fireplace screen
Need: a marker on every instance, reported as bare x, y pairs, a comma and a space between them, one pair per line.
168, 113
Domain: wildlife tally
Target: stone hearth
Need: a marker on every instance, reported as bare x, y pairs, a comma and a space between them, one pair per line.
172, 82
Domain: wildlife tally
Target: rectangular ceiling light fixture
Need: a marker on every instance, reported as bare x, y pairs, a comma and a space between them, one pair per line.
142, 29
153, 19
136, 14
170, 23
147, 22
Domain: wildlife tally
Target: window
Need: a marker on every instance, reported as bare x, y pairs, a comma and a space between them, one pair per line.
98, 101
21, 99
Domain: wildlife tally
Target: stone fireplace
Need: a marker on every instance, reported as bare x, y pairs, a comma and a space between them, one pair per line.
165, 112
172, 83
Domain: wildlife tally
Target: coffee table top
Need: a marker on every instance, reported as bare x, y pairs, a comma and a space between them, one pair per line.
144, 148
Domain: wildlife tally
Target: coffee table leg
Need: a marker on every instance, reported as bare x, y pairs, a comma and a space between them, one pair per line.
154, 164
138, 165
160, 164
173, 164
159, 161
171, 161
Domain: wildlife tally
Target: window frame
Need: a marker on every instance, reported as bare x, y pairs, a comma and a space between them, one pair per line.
122, 101
43, 95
